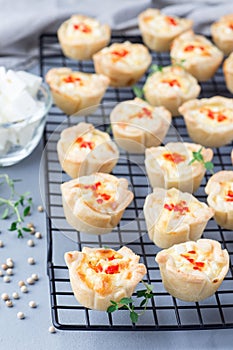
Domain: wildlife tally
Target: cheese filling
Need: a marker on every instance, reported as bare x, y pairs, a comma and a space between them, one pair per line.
225, 28
193, 49
175, 210
137, 114
104, 270
76, 83
100, 195
86, 143
224, 199
170, 80
162, 23
83, 28
173, 164
128, 56
214, 115
191, 258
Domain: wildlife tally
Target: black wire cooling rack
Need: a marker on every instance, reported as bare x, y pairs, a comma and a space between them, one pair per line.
163, 312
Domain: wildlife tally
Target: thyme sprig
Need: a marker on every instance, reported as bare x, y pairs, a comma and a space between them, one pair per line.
128, 303
16, 205
198, 157
156, 68
138, 92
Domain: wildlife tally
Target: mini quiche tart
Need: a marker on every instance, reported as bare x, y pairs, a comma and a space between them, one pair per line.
174, 217
170, 87
197, 55
74, 91
137, 125
209, 121
81, 36
228, 72
220, 197
95, 203
83, 150
123, 63
222, 33
99, 275
193, 271
159, 30
169, 166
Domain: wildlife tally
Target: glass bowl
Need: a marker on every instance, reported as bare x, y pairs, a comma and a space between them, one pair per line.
19, 139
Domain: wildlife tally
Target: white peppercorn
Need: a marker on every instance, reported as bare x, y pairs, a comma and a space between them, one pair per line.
31, 261
5, 296
20, 315
21, 283
9, 272
30, 280
52, 329
15, 295
24, 289
32, 304
9, 303
35, 277
38, 235
6, 279
30, 243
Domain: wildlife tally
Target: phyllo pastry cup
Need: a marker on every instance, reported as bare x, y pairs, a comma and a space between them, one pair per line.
197, 55
169, 166
95, 203
220, 197
228, 72
99, 275
175, 217
209, 121
170, 87
83, 150
81, 36
123, 63
136, 125
159, 30
73, 91
193, 271
222, 33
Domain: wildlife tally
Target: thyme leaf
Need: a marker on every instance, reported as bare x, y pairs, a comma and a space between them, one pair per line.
128, 303
198, 157
11, 205
138, 92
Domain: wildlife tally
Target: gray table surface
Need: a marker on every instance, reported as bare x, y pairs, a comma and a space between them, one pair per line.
32, 332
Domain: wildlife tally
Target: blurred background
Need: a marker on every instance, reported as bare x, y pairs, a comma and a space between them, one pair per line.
22, 22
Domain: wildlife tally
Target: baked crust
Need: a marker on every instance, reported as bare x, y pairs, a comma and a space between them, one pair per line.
222, 33
158, 30
95, 203
228, 72
168, 166
209, 121
74, 91
197, 55
174, 217
171, 87
123, 63
99, 275
193, 271
136, 125
81, 36
220, 197
83, 150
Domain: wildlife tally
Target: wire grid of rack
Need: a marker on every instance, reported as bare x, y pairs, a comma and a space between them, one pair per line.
164, 312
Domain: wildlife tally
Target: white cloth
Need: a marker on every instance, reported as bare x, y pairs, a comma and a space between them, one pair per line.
22, 22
